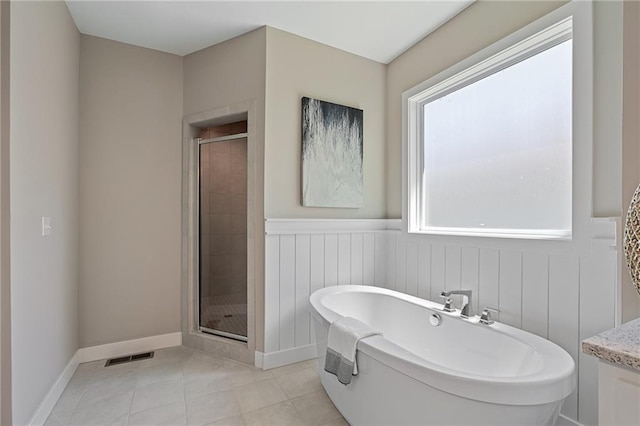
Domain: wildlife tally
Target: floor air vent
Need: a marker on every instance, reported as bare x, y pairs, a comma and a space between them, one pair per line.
129, 358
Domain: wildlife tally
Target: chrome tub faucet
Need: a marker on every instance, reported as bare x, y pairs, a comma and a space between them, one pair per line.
465, 309
446, 306
485, 318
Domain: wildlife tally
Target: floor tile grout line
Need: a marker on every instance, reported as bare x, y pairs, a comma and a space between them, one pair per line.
296, 409
133, 396
55, 417
92, 379
82, 393
339, 415
235, 398
184, 389
290, 400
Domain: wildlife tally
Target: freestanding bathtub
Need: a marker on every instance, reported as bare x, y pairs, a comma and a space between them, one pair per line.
459, 372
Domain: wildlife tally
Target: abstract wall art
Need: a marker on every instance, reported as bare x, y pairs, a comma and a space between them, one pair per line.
332, 147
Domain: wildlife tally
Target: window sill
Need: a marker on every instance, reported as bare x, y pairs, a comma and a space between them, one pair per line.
523, 234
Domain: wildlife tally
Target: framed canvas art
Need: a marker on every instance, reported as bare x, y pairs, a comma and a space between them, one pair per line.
331, 155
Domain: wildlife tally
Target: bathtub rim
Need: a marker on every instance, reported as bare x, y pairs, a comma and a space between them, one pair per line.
554, 381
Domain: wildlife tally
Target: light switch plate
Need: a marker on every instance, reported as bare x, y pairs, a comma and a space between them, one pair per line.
46, 226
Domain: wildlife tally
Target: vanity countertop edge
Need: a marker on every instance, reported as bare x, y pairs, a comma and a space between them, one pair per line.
619, 346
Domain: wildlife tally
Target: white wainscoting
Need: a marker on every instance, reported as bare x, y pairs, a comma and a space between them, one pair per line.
304, 256
562, 297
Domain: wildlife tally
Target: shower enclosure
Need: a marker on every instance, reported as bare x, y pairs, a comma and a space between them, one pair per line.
223, 230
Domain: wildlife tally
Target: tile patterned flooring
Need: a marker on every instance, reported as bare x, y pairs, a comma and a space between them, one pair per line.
227, 312
182, 386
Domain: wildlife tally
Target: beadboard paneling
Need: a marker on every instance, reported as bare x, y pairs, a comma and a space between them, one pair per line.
412, 268
564, 308
272, 295
488, 278
357, 258
299, 264
510, 287
302, 289
380, 256
437, 271
562, 297
535, 293
424, 270
330, 259
288, 287
452, 267
470, 275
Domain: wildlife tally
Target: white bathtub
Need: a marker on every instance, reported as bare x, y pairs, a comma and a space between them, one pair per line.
459, 373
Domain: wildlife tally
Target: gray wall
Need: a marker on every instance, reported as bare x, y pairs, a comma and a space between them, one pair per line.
227, 74
607, 108
44, 182
631, 136
130, 171
122, 173
298, 67
484, 23
475, 28
5, 242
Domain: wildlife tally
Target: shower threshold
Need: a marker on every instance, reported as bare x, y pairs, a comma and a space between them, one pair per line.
223, 334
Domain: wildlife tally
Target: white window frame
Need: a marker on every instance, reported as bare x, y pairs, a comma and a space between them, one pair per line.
573, 20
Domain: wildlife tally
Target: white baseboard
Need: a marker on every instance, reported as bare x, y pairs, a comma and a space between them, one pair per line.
95, 353
46, 406
566, 421
258, 359
270, 360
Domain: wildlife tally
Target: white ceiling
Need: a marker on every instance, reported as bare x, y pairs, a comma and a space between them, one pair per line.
378, 30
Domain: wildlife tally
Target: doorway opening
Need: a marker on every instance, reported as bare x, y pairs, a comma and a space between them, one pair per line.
220, 249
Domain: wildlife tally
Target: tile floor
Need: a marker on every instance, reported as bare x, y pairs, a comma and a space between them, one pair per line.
181, 386
226, 312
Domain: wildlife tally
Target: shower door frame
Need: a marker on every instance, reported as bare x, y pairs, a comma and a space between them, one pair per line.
191, 334
213, 331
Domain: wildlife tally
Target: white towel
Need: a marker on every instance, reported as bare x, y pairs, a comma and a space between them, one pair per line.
344, 335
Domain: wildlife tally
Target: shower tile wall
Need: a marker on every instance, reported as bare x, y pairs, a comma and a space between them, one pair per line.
223, 219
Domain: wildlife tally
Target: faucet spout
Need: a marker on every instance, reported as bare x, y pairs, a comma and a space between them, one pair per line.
465, 309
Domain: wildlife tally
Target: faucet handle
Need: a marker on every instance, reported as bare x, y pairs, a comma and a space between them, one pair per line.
485, 318
447, 302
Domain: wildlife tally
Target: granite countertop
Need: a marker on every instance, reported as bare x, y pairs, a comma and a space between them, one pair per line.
620, 345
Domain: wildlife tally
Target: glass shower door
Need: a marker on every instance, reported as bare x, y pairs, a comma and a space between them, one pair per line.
223, 235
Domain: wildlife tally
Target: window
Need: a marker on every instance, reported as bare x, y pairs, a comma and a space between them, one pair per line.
491, 146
